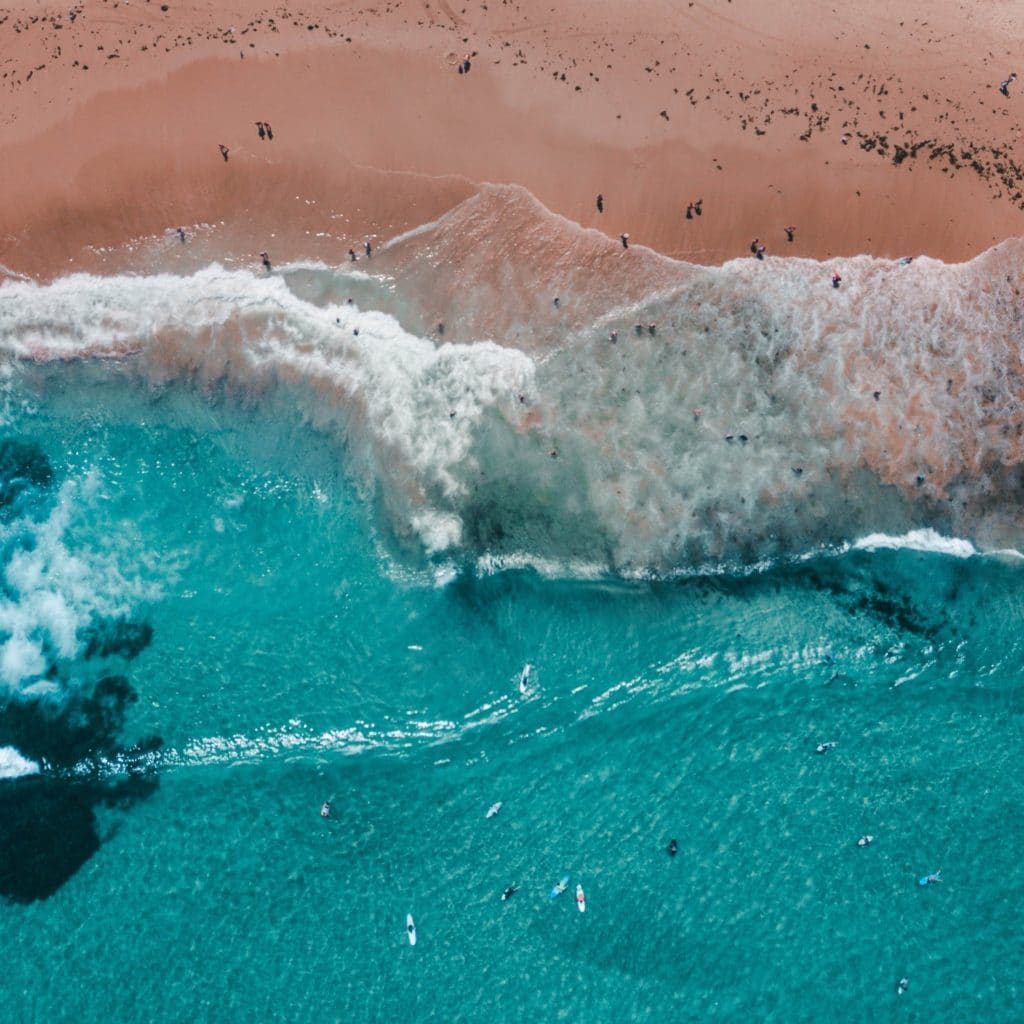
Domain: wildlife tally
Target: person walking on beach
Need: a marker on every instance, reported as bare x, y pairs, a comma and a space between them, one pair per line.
269, 131
753, 246
224, 152
698, 207
625, 240
352, 255
759, 252
261, 129
600, 203
369, 250
266, 261
1004, 86
689, 211
789, 233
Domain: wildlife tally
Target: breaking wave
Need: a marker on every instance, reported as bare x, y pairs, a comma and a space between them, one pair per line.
511, 389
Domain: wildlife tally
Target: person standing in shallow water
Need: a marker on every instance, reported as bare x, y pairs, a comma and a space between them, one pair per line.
266, 261
625, 241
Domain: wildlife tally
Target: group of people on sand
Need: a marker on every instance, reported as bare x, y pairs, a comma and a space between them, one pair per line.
264, 131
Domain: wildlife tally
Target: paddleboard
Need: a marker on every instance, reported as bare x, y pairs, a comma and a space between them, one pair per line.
410, 929
558, 889
581, 900
493, 810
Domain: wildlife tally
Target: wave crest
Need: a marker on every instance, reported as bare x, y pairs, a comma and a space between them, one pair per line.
738, 413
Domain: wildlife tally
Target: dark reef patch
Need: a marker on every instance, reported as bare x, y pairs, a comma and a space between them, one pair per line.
48, 822
25, 471
119, 637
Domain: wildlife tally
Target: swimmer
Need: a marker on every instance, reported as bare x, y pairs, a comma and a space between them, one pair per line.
836, 279
935, 876
510, 891
325, 809
902, 985
865, 840
824, 748
673, 848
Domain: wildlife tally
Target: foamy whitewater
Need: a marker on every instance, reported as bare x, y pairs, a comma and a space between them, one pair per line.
303, 573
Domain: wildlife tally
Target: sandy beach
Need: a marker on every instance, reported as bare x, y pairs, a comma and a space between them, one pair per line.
114, 112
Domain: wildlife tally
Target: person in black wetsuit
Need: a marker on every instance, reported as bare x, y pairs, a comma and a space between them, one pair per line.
673, 848
509, 891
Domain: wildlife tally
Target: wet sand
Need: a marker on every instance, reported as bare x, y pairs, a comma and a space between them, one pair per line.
113, 118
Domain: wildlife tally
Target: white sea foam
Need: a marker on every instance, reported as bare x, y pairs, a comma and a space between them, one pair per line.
52, 591
14, 765
765, 415
917, 540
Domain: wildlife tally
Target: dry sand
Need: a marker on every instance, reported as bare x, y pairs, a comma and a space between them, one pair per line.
113, 112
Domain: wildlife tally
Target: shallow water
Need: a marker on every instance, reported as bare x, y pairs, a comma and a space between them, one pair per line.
227, 535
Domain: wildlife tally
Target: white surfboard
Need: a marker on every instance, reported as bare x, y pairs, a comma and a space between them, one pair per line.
524, 679
493, 810
410, 929
581, 900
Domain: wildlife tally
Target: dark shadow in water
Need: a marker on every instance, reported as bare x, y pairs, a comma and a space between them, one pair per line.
119, 637
48, 822
25, 472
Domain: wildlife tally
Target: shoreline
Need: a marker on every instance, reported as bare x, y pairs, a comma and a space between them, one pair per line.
376, 133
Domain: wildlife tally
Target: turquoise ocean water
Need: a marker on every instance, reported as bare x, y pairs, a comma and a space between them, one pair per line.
221, 552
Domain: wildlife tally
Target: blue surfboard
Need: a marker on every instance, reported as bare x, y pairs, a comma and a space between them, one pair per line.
559, 888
